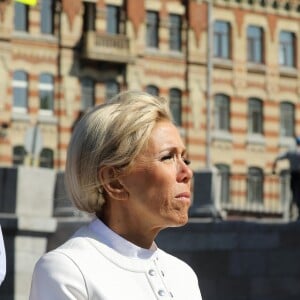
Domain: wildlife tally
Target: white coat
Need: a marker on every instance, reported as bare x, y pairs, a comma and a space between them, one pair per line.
98, 264
2, 258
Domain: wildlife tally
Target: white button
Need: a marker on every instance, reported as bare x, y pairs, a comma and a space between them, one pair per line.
151, 272
161, 293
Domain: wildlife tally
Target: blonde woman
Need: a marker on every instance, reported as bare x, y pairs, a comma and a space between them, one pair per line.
128, 166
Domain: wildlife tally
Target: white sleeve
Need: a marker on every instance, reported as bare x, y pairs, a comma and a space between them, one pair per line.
2, 258
56, 276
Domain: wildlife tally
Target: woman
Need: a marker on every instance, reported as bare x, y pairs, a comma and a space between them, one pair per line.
126, 164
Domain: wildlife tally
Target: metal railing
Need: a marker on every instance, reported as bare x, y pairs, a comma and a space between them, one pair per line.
108, 47
246, 194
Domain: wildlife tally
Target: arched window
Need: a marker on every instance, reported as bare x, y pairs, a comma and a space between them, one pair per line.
19, 154
46, 91
87, 93
175, 105
152, 90
255, 185
47, 158
255, 116
221, 112
224, 173
287, 119
20, 91
287, 49
112, 89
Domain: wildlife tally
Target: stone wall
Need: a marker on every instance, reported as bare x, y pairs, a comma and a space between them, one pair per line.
240, 260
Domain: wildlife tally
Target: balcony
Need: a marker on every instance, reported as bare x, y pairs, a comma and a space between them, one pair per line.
106, 47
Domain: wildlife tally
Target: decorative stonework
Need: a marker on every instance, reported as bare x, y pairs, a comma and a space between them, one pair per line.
3, 5
198, 18
136, 13
71, 8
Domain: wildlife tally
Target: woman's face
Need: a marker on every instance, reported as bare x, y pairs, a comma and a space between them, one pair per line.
160, 180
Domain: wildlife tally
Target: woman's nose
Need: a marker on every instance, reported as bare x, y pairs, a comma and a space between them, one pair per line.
184, 172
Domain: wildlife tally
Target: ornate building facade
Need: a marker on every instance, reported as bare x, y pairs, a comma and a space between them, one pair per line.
230, 70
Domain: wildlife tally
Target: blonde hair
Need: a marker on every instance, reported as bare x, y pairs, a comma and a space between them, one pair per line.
112, 134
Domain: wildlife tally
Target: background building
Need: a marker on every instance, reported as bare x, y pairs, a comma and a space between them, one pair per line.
230, 70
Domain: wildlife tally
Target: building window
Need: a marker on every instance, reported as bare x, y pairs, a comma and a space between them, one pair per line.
152, 90
255, 44
255, 116
19, 154
46, 91
222, 39
87, 93
255, 183
287, 119
175, 32
20, 91
175, 105
89, 16
47, 16
112, 89
112, 19
221, 112
47, 158
224, 173
287, 49
21, 16
152, 29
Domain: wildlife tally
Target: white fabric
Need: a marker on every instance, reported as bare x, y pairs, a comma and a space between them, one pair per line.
2, 258
98, 264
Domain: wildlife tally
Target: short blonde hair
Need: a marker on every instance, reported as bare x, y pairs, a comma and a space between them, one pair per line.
111, 134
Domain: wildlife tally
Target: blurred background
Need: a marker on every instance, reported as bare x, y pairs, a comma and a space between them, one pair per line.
230, 71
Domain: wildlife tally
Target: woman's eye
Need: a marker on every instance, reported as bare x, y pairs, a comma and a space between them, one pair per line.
168, 157
186, 161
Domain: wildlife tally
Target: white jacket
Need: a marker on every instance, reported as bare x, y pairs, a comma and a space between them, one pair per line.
98, 264
2, 258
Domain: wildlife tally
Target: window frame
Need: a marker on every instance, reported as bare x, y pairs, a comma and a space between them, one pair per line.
222, 40
287, 49
20, 86
222, 112
19, 158
175, 38
224, 173
112, 19
255, 116
152, 28
21, 17
46, 87
255, 185
87, 93
112, 88
46, 161
175, 103
255, 44
47, 17
287, 118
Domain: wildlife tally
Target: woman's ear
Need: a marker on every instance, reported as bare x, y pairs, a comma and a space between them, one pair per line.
111, 184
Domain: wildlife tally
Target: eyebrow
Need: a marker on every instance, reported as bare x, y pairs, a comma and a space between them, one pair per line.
174, 149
